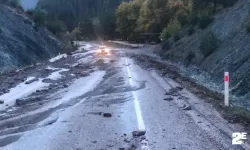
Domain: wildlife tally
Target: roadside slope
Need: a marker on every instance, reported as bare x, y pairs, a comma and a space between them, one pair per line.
22, 42
232, 53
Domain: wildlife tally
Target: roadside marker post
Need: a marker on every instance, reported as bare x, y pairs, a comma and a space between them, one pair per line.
226, 90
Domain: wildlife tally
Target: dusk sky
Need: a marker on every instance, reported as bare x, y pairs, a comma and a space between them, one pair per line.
27, 4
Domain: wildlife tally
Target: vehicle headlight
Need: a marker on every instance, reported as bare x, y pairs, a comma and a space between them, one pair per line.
107, 50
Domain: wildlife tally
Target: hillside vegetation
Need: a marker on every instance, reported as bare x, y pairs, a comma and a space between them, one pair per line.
223, 45
205, 37
88, 19
166, 17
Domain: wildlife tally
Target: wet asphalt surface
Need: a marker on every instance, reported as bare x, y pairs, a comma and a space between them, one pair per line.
129, 107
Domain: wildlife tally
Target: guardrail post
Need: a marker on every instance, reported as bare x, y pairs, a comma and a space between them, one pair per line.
226, 90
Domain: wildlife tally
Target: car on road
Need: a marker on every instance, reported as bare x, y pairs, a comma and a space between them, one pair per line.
103, 51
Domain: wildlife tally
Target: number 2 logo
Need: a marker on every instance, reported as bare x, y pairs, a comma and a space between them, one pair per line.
238, 138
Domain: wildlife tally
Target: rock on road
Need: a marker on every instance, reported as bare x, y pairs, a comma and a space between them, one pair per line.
85, 102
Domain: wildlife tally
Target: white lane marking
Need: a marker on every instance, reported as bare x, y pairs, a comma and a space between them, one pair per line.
140, 121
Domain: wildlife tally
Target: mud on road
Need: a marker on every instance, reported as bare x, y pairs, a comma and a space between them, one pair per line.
24, 113
234, 115
49, 88
81, 101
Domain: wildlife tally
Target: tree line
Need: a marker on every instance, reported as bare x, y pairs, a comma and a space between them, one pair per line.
88, 19
166, 17
125, 19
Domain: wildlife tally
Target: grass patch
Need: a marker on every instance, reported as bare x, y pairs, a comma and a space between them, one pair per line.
171, 30
193, 19
190, 57
208, 44
14, 3
237, 115
248, 27
176, 38
190, 30
205, 20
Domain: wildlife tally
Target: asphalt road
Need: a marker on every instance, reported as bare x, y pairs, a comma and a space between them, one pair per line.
96, 102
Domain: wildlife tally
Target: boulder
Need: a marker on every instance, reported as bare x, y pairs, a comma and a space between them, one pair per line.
138, 133
107, 115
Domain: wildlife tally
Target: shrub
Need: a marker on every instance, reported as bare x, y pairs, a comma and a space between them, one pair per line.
68, 47
27, 21
36, 27
39, 17
30, 12
176, 38
171, 30
165, 35
190, 57
75, 34
19, 7
14, 3
173, 27
133, 37
228, 3
248, 27
205, 20
193, 19
208, 44
67, 44
239, 114
190, 30
165, 45
182, 16
56, 26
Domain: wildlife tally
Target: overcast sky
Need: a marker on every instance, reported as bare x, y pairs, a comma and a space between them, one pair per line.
27, 4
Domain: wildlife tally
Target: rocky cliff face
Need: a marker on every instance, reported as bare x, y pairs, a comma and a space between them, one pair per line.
21, 42
232, 54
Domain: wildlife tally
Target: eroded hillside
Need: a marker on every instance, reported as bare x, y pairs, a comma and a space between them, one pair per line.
231, 52
22, 42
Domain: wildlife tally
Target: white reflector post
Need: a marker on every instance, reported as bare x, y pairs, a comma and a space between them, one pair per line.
226, 90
